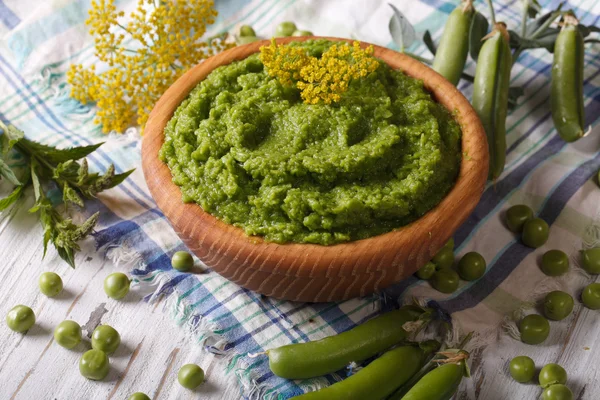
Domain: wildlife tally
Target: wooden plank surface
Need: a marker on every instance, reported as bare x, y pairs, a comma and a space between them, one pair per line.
32, 366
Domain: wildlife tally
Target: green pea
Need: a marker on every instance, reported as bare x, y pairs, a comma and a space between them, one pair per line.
590, 260
182, 261
534, 329
190, 376
247, 30
426, 271
321, 357
285, 29
138, 396
591, 296
302, 33
557, 392
94, 365
20, 318
246, 39
552, 374
522, 369
50, 284
450, 244
106, 338
445, 280
516, 216
535, 232
116, 285
68, 334
555, 263
444, 258
558, 305
471, 266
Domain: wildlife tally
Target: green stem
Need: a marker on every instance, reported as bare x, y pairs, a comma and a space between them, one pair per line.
492, 12
524, 18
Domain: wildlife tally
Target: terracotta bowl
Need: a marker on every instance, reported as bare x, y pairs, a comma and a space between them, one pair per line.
307, 272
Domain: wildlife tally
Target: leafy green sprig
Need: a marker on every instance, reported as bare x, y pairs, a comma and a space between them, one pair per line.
67, 169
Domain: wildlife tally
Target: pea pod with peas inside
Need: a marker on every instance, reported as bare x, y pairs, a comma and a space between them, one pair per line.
453, 50
439, 384
380, 378
321, 357
567, 82
490, 94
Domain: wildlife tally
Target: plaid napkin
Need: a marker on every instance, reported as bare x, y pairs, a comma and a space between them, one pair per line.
40, 40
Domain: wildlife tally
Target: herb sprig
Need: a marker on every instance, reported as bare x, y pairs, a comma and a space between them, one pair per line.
65, 169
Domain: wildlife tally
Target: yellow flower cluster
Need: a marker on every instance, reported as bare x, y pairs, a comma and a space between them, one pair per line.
142, 57
319, 79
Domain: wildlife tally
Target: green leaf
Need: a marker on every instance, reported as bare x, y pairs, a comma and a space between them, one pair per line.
428, 40
402, 31
11, 198
10, 137
55, 156
479, 28
8, 173
586, 30
67, 254
532, 7
119, 178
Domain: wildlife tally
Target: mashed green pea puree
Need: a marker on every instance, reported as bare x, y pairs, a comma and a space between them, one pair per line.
250, 152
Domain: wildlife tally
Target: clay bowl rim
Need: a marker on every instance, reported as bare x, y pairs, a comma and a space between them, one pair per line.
434, 228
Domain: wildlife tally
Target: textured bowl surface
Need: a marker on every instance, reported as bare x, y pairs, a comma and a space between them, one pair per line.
307, 272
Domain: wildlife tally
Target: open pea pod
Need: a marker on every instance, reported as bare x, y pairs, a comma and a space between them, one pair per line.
490, 94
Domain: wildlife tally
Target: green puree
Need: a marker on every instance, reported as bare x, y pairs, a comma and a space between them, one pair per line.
251, 153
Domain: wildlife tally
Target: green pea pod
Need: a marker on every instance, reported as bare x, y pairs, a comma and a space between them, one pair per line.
453, 50
567, 82
439, 384
321, 357
377, 380
490, 94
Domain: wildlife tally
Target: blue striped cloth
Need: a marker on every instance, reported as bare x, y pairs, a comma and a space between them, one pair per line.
41, 39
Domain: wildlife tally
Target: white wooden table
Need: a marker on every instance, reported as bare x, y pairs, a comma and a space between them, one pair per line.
32, 366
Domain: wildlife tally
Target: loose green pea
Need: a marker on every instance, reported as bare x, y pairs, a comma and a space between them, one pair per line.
426, 271
522, 369
68, 334
555, 263
247, 30
558, 305
246, 39
471, 266
50, 284
139, 396
106, 338
557, 392
302, 33
444, 258
182, 261
94, 365
445, 280
516, 216
285, 29
190, 376
116, 285
534, 329
20, 318
552, 374
590, 260
591, 296
535, 232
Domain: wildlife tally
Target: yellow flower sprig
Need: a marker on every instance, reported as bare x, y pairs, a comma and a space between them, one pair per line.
319, 79
143, 57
